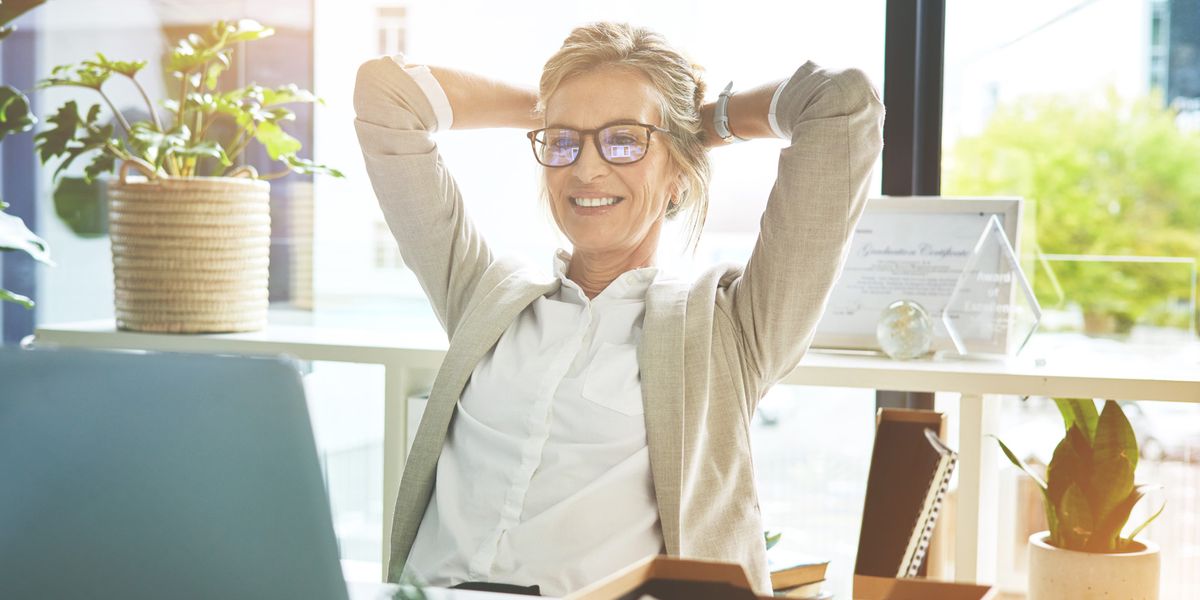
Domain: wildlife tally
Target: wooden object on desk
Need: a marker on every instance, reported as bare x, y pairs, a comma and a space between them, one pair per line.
885, 588
672, 578
909, 473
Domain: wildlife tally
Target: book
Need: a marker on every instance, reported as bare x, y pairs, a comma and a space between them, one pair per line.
909, 472
789, 571
809, 591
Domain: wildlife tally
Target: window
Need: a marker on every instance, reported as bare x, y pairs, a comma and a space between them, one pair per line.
1087, 110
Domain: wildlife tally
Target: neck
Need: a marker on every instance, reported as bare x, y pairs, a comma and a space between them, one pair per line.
594, 271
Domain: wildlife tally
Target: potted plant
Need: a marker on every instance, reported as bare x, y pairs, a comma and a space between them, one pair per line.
190, 228
15, 117
1088, 494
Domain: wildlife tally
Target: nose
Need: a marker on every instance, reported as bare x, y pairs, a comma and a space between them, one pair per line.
590, 165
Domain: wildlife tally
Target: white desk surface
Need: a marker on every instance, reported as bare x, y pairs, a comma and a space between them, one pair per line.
1052, 365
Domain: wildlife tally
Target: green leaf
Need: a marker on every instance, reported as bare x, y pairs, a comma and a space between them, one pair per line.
82, 206
277, 142
1075, 518
772, 538
1154, 516
1020, 464
1112, 484
101, 164
1080, 411
308, 167
87, 74
128, 68
1070, 465
205, 149
7, 296
14, 235
15, 116
1114, 436
1109, 528
287, 94
246, 30
213, 72
53, 142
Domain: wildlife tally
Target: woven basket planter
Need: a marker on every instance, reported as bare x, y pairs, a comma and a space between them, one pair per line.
190, 255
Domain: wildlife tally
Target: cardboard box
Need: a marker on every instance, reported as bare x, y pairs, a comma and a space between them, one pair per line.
886, 588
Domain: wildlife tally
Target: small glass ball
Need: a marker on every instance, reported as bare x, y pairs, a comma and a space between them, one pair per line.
905, 330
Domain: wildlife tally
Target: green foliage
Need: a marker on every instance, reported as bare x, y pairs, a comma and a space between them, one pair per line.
1109, 177
14, 112
772, 538
15, 117
1089, 489
177, 148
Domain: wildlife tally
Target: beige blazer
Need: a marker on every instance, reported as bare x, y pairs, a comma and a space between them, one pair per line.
710, 348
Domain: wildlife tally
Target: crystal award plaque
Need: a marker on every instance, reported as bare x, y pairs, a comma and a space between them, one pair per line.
992, 309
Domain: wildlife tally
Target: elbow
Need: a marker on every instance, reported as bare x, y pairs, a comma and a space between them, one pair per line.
863, 105
368, 88
859, 93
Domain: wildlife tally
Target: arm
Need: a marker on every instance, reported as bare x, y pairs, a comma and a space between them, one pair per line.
835, 122
420, 200
747, 114
479, 102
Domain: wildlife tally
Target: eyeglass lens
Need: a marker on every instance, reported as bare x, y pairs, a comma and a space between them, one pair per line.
619, 144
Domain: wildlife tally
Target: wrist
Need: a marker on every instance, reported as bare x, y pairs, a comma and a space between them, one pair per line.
721, 117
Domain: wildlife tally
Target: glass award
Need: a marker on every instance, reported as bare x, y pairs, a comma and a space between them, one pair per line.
992, 309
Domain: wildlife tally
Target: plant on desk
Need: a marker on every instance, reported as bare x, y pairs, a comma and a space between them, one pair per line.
191, 236
1088, 495
15, 118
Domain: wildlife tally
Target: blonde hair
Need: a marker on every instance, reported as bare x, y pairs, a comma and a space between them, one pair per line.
680, 89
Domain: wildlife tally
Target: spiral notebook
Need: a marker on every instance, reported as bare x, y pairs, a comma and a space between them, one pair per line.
907, 482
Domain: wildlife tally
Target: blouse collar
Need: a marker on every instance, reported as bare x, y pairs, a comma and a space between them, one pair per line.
630, 285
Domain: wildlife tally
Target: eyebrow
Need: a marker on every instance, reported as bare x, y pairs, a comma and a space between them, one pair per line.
617, 122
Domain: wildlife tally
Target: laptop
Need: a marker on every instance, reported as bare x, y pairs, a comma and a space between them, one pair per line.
132, 476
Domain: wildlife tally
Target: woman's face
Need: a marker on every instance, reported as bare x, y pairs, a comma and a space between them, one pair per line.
643, 189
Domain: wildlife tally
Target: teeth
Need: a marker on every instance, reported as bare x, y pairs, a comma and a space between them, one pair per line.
589, 202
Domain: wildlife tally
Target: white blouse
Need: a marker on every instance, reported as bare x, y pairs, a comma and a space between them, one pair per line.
545, 475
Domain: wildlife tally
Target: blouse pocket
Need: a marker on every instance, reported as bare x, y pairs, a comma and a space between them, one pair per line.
613, 379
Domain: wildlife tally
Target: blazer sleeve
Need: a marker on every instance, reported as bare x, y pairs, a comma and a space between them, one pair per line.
835, 122
420, 199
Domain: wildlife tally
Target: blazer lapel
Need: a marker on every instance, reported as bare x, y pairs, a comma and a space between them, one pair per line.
660, 359
475, 337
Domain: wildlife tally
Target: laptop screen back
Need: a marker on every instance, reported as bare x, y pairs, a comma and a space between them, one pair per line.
159, 476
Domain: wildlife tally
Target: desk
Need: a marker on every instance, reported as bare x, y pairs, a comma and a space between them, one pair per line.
1051, 366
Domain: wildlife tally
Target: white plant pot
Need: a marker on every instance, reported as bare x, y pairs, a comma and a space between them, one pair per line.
1058, 574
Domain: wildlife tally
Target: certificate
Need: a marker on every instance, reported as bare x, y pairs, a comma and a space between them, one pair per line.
907, 248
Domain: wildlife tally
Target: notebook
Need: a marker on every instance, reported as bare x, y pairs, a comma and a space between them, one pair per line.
908, 479
130, 476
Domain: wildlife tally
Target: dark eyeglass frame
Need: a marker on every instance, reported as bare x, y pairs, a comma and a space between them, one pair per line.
650, 130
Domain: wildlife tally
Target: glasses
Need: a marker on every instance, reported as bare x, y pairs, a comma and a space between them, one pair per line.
619, 143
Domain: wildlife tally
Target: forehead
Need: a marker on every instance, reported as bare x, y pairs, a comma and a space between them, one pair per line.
593, 98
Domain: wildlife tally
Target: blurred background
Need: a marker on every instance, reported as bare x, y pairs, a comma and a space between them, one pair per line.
1089, 110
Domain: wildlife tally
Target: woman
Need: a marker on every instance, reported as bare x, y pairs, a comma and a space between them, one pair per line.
584, 421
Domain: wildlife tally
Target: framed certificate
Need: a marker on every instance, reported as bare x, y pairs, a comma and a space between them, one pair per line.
908, 248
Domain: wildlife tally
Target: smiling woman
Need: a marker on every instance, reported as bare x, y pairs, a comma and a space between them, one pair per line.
585, 420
